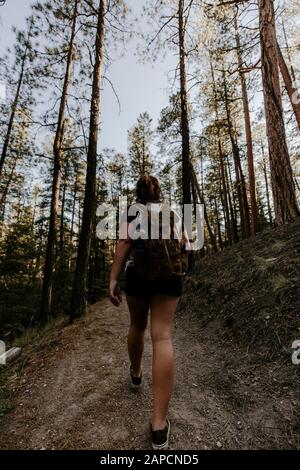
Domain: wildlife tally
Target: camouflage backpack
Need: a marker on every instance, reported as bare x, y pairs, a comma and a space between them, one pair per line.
161, 258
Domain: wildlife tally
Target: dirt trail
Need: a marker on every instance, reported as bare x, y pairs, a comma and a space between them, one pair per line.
73, 391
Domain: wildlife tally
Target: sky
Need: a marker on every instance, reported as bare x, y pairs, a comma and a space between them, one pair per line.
140, 87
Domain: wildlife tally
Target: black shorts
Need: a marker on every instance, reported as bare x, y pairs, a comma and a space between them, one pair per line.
136, 286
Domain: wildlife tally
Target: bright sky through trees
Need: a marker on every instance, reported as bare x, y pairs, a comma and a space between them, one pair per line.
140, 87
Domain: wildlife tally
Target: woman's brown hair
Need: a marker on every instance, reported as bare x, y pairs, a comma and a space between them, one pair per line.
147, 189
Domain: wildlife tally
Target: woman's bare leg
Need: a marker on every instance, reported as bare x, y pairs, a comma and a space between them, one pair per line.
162, 309
138, 309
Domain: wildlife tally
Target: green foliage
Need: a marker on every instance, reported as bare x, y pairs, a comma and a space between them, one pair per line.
140, 139
18, 283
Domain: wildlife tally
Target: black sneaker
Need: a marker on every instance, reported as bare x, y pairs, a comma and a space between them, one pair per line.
135, 381
160, 438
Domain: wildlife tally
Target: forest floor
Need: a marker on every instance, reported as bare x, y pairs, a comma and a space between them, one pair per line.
70, 388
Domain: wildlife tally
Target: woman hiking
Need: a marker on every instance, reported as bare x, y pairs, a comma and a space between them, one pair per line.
151, 284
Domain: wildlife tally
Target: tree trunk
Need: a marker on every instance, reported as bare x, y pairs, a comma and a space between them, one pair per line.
93, 258
266, 184
232, 189
143, 157
242, 196
14, 104
62, 219
225, 195
233, 224
73, 208
185, 130
227, 231
197, 192
223, 188
225, 210
289, 86
244, 189
250, 160
46, 300
284, 197
6, 188
78, 300
218, 224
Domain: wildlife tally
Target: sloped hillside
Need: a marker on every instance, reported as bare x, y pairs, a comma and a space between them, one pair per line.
253, 289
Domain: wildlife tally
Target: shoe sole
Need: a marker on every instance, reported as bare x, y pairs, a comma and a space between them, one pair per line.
165, 445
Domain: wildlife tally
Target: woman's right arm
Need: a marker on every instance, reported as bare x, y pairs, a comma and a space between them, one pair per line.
123, 249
